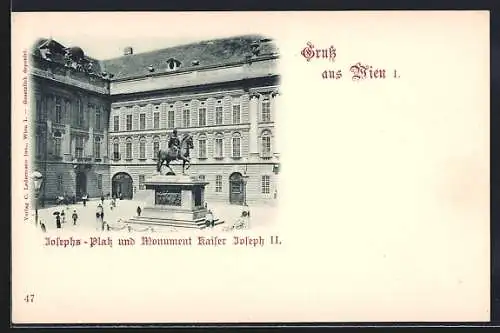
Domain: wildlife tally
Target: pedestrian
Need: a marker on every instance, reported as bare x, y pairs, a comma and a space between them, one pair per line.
58, 221
75, 217
102, 199
101, 212
209, 219
139, 210
98, 216
63, 216
42, 226
84, 199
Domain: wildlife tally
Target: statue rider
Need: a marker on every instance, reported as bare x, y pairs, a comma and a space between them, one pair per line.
174, 144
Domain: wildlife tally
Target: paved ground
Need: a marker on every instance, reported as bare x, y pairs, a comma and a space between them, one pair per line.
261, 215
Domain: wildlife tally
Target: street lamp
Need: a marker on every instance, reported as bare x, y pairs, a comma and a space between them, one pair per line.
244, 181
37, 182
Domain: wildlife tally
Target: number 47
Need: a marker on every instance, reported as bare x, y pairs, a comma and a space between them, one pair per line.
29, 298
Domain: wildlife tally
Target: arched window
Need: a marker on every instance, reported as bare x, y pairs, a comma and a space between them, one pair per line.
265, 140
202, 146
236, 145
57, 143
97, 147
219, 145
116, 149
128, 149
142, 148
156, 146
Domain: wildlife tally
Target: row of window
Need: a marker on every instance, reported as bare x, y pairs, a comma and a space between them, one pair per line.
60, 186
264, 188
79, 146
201, 147
77, 119
186, 117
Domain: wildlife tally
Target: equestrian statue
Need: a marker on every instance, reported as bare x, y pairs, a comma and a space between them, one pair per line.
178, 150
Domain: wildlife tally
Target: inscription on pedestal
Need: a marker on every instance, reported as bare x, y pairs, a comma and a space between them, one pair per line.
168, 195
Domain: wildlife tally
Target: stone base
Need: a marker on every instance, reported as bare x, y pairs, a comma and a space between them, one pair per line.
156, 221
175, 201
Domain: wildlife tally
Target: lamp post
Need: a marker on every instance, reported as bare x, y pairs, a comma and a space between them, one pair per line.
37, 182
244, 181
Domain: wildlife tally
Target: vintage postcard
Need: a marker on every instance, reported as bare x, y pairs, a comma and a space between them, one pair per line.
242, 167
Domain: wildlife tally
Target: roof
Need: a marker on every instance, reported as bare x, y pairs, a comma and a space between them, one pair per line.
200, 54
58, 51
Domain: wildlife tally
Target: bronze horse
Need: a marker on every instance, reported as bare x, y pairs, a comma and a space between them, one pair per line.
172, 155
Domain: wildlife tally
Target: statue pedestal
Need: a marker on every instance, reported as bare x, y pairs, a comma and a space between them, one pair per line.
174, 201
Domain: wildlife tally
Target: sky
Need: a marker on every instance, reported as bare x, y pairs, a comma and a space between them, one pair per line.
104, 35
104, 49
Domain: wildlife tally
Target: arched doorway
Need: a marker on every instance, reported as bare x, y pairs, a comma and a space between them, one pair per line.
236, 194
81, 184
121, 185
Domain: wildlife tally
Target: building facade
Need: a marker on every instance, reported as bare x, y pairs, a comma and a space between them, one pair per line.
70, 122
223, 92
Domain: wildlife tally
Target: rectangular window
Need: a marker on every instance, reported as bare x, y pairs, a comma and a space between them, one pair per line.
79, 147
98, 118
57, 147
40, 144
218, 147
202, 117
156, 149
201, 177
99, 181
80, 118
237, 147
58, 110
141, 182
171, 118
142, 149
97, 148
142, 121
39, 108
60, 184
218, 115
236, 114
266, 110
128, 151
156, 120
218, 183
116, 151
202, 148
129, 122
116, 123
266, 146
265, 184
185, 118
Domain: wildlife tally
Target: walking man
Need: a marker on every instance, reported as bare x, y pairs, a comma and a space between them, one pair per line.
75, 217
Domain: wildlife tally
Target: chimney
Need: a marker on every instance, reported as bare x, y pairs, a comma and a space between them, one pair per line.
128, 51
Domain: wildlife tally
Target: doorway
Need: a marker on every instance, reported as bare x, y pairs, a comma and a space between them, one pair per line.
236, 194
121, 185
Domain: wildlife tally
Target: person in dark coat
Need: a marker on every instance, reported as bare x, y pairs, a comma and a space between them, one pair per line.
63, 216
174, 144
42, 226
75, 217
102, 199
58, 221
84, 199
139, 210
